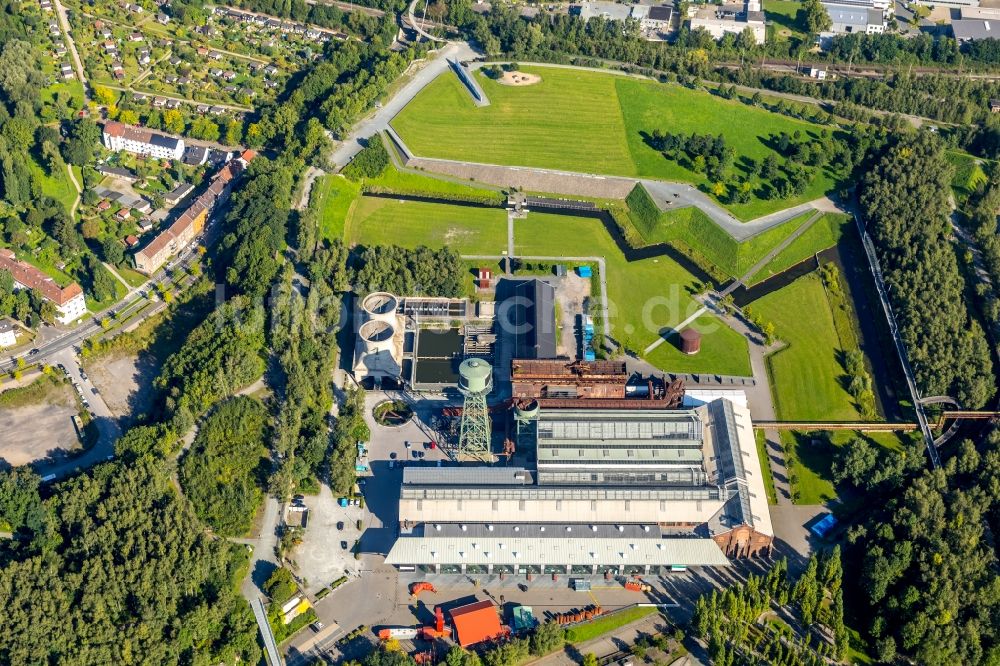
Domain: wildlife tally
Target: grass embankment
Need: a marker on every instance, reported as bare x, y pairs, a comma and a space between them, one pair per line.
605, 132
824, 233
968, 175
807, 373
332, 198
604, 624
694, 234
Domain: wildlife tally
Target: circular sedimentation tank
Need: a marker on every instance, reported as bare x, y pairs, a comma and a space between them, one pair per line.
475, 376
376, 331
379, 304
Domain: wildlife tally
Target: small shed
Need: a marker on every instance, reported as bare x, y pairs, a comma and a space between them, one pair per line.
131, 241
584, 271
995, 106
560, 270
476, 622
690, 341
484, 277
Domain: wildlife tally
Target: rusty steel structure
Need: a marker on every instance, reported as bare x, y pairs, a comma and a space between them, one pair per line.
566, 384
543, 378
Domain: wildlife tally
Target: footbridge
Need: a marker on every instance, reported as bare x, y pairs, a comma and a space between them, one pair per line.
863, 426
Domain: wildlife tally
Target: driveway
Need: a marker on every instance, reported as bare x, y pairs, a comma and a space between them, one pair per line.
379, 120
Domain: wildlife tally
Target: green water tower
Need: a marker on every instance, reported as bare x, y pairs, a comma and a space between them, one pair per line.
475, 381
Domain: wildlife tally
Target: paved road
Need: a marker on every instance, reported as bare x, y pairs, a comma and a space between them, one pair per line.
379, 120
263, 560
70, 44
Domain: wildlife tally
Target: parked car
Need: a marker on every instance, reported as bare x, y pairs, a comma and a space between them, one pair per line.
343, 544
317, 626
94, 390
340, 525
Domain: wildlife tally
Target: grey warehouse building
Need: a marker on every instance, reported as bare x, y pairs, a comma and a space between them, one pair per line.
613, 491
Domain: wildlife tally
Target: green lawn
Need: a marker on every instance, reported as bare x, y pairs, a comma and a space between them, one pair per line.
648, 106
572, 120
824, 233
812, 459
806, 375
332, 197
645, 296
69, 91
784, 14
968, 175
765, 466
603, 624
599, 128
134, 278
57, 185
468, 230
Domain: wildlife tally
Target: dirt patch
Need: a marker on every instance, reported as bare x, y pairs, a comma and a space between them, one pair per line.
519, 79
37, 431
125, 382
572, 295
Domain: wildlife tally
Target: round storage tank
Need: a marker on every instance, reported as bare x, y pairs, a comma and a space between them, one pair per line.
690, 341
380, 305
526, 410
475, 376
377, 336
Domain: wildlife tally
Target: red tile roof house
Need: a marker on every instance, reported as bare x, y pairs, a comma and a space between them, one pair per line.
69, 301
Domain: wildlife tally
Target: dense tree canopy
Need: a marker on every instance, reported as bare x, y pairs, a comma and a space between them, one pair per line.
930, 569
222, 473
905, 200
421, 271
221, 356
131, 579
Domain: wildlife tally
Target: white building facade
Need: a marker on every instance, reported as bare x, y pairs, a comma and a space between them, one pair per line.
118, 137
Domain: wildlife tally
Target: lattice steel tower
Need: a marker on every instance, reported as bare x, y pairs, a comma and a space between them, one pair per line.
475, 381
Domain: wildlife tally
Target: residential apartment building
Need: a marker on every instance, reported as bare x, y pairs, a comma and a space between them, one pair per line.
141, 141
69, 301
192, 221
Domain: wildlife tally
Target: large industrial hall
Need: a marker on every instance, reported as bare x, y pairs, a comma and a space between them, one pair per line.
613, 492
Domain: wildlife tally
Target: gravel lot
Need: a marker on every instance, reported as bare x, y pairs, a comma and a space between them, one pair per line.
124, 382
33, 432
